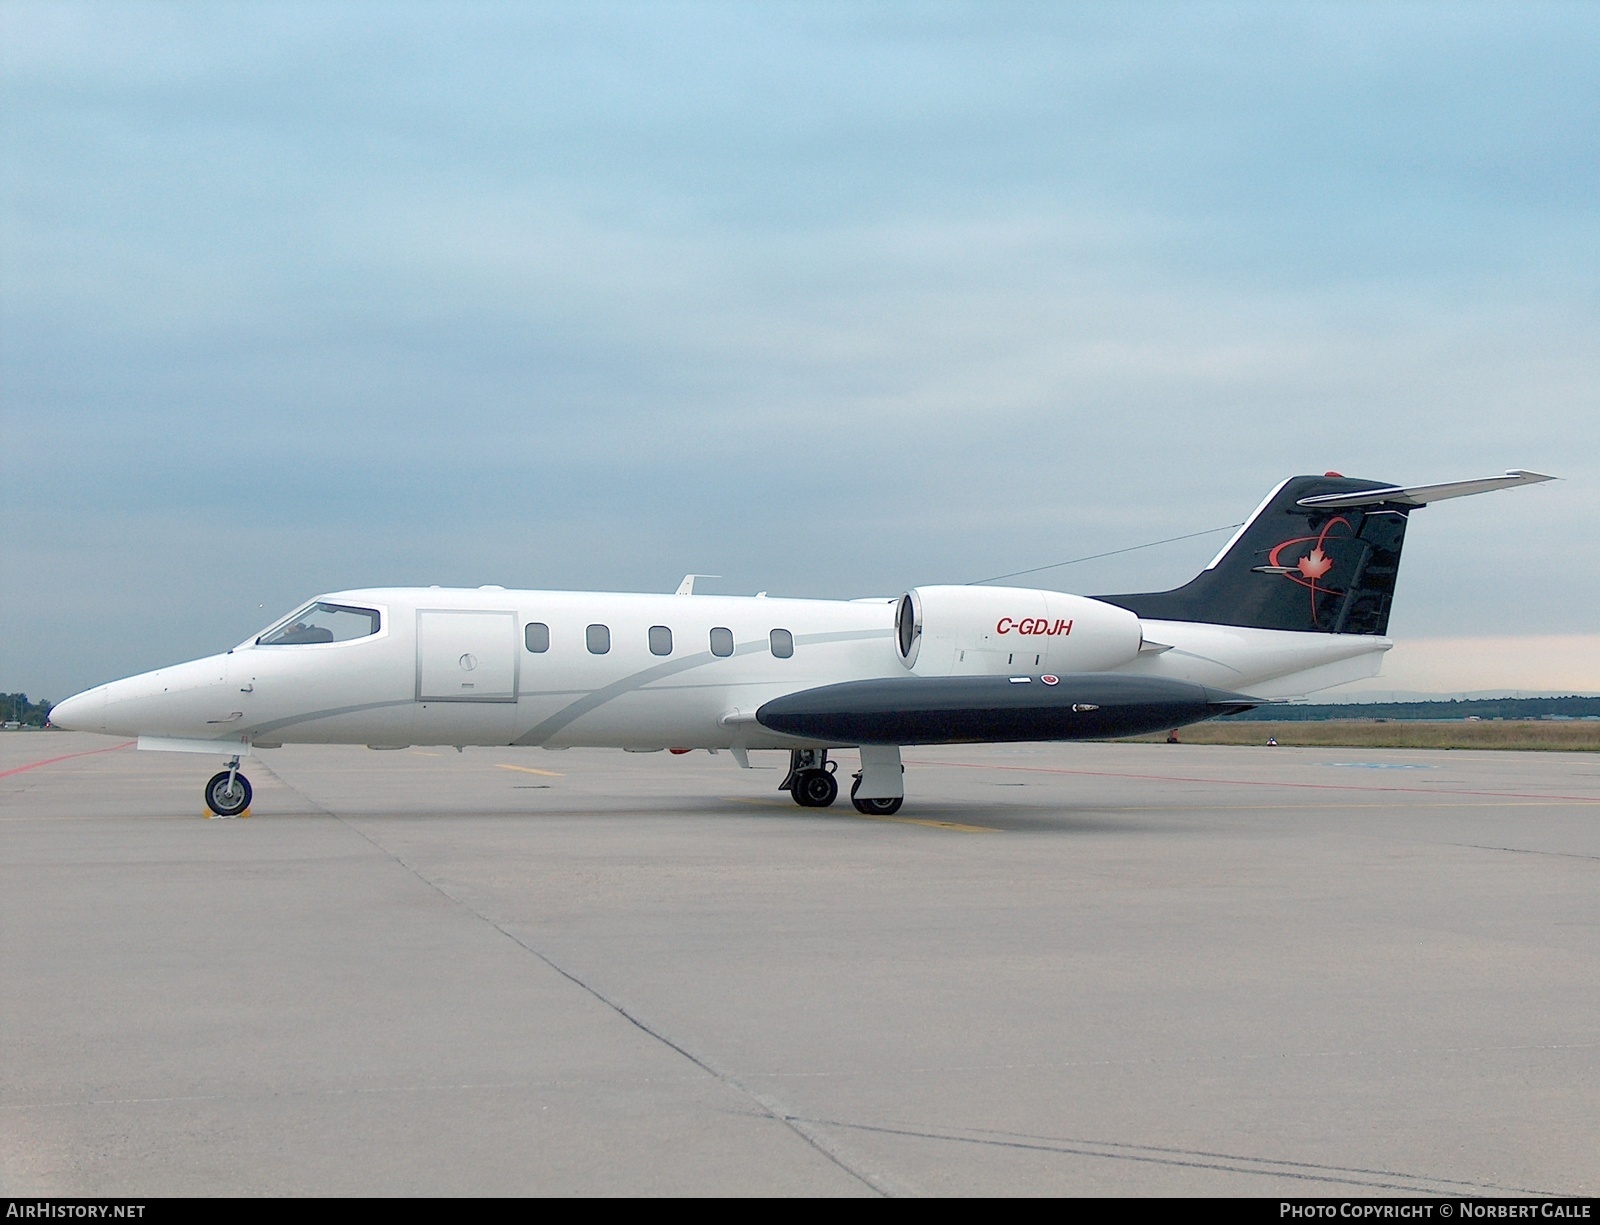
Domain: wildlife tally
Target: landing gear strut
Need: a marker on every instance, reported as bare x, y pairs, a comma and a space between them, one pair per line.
228, 793
810, 779
879, 790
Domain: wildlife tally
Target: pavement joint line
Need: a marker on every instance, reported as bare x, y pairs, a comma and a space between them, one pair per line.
1249, 782
50, 761
1267, 1161
530, 770
1526, 850
1262, 1166
828, 1149
1191, 1158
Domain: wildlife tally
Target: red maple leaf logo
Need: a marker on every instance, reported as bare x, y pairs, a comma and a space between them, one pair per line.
1315, 564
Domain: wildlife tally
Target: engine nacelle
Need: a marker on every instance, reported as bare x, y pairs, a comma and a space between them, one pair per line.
964, 631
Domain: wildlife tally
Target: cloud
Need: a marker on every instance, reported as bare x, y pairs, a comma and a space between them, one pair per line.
827, 300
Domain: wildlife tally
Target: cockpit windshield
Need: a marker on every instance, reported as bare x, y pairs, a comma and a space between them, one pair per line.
321, 622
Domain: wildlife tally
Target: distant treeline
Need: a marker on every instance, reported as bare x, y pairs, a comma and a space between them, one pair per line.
15, 708
1469, 708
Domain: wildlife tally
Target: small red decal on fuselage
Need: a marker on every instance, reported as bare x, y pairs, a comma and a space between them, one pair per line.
1034, 627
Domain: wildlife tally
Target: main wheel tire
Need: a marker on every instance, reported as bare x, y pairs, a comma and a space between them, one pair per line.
815, 789
228, 801
874, 808
878, 808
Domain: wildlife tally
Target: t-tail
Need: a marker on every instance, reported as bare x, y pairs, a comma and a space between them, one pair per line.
1321, 554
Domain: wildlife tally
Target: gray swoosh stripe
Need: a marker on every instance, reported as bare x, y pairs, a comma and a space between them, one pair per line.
591, 700
541, 732
842, 636
274, 725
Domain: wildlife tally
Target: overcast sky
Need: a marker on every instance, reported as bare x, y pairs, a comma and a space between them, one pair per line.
828, 300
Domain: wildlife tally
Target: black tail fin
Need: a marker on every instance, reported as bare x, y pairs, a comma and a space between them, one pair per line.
1329, 569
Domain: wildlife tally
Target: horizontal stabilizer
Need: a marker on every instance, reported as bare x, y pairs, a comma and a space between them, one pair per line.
1320, 555
991, 709
1421, 495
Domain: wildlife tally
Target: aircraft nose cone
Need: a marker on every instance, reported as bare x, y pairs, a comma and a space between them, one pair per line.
82, 712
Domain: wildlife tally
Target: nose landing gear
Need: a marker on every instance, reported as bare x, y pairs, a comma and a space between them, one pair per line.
228, 793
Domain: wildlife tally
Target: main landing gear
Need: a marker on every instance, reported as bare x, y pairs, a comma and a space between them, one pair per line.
228, 793
812, 784
875, 808
810, 779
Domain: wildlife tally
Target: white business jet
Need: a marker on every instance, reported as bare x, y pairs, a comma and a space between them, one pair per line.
1297, 601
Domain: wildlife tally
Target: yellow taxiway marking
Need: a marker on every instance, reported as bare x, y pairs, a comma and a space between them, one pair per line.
950, 825
530, 770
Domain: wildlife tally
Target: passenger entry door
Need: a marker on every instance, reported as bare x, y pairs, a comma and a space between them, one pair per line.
466, 656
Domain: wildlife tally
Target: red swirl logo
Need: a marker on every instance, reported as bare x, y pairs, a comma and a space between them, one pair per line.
1314, 563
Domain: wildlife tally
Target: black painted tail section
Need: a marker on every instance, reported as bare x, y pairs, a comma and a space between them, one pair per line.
1295, 567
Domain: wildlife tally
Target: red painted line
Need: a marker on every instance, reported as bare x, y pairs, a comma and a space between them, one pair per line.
50, 761
1255, 782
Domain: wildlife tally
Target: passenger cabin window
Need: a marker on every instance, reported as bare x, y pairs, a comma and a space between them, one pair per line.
323, 623
660, 640
782, 643
599, 639
722, 641
537, 635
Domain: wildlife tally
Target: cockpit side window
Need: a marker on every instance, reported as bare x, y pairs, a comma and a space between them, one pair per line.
323, 623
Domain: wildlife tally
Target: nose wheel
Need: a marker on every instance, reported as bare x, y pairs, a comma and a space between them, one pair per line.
228, 793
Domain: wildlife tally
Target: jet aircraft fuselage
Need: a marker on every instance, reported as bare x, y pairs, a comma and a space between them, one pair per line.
1297, 601
454, 666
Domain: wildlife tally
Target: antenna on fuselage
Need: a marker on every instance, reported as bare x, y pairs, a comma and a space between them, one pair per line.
687, 586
